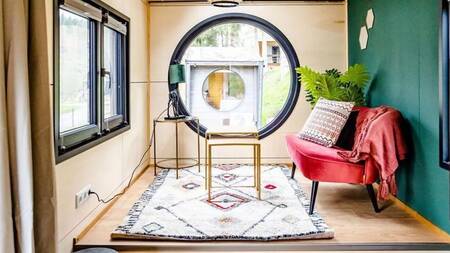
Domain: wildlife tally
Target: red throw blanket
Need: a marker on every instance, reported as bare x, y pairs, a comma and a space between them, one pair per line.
379, 137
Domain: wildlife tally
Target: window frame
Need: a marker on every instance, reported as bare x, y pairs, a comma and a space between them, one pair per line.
270, 29
78, 140
444, 55
115, 120
82, 132
271, 56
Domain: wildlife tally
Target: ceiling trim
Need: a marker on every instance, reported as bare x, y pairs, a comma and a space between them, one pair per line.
250, 1
245, 2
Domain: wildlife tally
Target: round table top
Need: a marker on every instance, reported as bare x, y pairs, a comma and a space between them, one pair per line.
181, 120
97, 250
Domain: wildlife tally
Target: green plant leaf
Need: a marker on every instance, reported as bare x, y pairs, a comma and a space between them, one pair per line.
356, 75
330, 88
310, 81
333, 73
354, 94
334, 86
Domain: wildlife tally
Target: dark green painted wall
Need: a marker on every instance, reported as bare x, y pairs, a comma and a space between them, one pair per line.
402, 56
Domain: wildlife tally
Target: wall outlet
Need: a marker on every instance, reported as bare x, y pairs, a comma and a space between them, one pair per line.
82, 196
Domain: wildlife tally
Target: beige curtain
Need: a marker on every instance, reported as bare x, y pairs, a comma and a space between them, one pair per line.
28, 209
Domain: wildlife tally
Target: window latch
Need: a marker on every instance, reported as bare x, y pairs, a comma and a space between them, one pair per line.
104, 72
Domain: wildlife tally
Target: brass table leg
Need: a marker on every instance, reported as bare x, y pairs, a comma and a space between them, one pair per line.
198, 144
254, 167
178, 165
258, 147
206, 161
154, 148
176, 148
209, 172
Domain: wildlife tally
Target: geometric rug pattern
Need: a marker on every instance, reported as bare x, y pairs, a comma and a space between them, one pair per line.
172, 209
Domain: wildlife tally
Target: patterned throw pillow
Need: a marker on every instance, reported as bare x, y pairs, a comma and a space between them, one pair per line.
326, 121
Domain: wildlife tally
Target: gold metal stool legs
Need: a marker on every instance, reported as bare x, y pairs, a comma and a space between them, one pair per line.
258, 169
256, 166
206, 162
209, 172
255, 172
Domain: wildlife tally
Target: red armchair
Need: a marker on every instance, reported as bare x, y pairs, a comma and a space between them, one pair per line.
323, 164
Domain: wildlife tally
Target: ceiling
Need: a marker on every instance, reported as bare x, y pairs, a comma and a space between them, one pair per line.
205, 1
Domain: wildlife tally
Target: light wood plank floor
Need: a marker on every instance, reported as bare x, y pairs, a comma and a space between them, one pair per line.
346, 208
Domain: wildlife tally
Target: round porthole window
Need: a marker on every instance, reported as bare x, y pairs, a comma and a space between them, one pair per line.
223, 90
240, 70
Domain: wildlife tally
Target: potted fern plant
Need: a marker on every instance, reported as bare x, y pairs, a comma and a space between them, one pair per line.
334, 85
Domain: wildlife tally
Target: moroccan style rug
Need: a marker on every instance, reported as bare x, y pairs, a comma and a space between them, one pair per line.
172, 209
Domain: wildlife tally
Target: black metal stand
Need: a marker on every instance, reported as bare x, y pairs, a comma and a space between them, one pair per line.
173, 104
370, 190
373, 198
315, 187
294, 167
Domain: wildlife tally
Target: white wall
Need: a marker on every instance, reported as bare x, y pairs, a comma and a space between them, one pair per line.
108, 166
317, 32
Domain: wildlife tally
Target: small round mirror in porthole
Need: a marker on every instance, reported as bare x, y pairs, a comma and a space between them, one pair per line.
223, 90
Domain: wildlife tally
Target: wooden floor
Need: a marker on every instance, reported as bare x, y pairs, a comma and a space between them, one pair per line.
346, 208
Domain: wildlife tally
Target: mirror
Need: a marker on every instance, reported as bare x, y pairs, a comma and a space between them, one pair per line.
223, 90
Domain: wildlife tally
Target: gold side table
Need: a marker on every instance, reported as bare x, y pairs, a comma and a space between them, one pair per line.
227, 133
176, 163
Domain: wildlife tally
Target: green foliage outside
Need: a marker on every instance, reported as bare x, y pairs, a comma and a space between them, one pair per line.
226, 35
334, 85
275, 92
236, 86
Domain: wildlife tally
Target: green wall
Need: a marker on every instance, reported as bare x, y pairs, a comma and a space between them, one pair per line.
402, 57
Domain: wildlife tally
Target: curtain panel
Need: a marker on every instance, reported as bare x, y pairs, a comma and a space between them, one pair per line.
27, 187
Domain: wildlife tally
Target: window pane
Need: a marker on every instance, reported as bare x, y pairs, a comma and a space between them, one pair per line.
74, 71
112, 77
237, 74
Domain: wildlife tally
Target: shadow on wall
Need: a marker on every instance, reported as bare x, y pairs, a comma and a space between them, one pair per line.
408, 132
374, 83
408, 163
370, 87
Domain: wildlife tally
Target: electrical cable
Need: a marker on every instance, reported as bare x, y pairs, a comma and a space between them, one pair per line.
132, 174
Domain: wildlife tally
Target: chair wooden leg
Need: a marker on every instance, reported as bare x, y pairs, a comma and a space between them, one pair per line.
373, 197
315, 187
294, 167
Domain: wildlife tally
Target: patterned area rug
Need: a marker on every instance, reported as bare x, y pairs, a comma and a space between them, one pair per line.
173, 209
